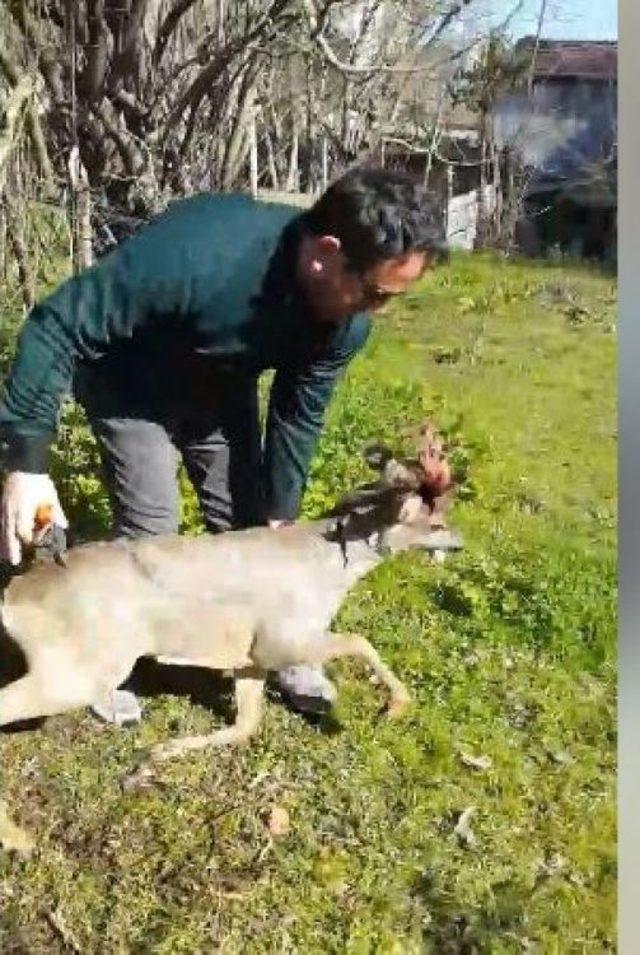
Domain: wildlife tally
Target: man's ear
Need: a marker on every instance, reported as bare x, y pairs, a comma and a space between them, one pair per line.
318, 252
328, 245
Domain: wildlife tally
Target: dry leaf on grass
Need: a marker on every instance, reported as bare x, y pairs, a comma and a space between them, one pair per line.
560, 758
481, 763
58, 924
463, 828
278, 822
547, 868
12, 837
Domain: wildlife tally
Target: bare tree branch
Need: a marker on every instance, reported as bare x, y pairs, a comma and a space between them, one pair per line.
127, 150
351, 69
8, 68
536, 46
92, 79
19, 81
208, 75
161, 85
48, 64
127, 58
446, 20
14, 107
15, 231
168, 26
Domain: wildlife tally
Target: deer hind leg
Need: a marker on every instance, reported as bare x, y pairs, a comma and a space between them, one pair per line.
249, 698
56, 683
354, 645
40, 694
34, 695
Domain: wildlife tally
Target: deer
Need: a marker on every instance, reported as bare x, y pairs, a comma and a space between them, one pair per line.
245, 601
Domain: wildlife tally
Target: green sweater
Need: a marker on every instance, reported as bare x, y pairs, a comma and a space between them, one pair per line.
214, 273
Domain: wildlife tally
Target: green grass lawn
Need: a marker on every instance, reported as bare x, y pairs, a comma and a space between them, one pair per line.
509, 649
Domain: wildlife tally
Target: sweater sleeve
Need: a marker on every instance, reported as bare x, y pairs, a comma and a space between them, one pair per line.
298, 401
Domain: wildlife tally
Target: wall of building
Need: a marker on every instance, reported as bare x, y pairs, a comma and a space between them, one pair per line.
462, 217
567, 125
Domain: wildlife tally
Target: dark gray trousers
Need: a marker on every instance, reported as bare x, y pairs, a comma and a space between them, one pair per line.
210, 421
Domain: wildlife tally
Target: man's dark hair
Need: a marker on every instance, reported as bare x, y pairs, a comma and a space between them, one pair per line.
379, 214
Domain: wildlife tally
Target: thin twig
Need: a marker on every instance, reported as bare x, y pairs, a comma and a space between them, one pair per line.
536, 46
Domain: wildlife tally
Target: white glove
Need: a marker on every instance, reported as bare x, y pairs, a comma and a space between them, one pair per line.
22, 495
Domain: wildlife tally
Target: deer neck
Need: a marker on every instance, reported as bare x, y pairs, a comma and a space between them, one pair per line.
356, 555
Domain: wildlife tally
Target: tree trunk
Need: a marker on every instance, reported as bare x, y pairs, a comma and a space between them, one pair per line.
14, 108
481, 226
273, 170
15, 220
325, 163
435, 138
253, 154
240, 141
310, 133
497, 185
81, 233
293, 176
3, 244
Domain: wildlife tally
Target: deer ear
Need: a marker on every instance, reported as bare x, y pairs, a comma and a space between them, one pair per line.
361, 500
377, 456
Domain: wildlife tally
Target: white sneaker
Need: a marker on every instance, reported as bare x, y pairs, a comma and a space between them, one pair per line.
119, 707
307, 689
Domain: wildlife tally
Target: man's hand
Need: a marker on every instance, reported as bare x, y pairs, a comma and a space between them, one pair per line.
23, 495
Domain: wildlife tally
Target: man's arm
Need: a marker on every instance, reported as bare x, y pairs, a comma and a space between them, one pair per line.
143, 281
298, 401
77, 321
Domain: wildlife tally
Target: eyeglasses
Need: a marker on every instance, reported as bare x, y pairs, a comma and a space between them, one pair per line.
372, 296
375, 297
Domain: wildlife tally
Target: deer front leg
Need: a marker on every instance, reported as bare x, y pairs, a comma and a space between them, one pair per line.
354, 645
249, 696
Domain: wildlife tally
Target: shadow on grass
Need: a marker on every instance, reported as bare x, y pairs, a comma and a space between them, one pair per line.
211, 689
203, 687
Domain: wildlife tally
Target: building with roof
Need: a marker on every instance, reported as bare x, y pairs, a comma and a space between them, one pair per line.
562, 125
